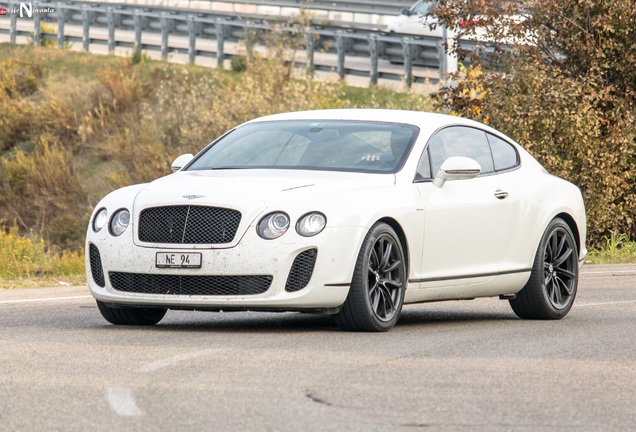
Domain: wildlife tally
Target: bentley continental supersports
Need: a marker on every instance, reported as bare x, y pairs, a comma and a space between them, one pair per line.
352, 213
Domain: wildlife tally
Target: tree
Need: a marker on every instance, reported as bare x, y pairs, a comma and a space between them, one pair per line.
559, 76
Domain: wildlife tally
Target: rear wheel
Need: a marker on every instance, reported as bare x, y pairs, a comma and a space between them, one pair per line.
376, 295
131, 315
551, 289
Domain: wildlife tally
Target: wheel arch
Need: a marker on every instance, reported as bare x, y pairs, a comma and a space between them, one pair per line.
569, 220
401, 236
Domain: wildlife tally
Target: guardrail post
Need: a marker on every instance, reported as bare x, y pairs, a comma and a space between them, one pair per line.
407, 50
86, 21
250, 39
441, 52
137, 24
111, 30
373, 56
61, 19
340, 49
220, 43
309, 41
192, 39
164, 35
13, 31
447, 61
37, 31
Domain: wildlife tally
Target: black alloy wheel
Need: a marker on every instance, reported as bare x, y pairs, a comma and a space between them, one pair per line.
551, 289
377, 290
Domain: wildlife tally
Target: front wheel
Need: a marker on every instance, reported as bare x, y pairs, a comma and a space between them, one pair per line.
377, 289
131, 315
550, 291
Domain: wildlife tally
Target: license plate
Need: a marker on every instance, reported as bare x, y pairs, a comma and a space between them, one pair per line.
178, 260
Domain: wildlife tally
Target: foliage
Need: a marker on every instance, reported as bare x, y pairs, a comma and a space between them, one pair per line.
238, 64
564, 90
616, 248
138, 57
47, 29
39, 187
19, 78
22, 257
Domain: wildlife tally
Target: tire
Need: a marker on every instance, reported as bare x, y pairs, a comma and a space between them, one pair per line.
377, 289
551, 289
131, 315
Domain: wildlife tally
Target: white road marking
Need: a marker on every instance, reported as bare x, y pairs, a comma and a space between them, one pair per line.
45, 299
604, 303
122, 402
122, 399
608, 272
171, 361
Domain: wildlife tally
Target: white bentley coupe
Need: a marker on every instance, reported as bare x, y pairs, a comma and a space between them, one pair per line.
352, 213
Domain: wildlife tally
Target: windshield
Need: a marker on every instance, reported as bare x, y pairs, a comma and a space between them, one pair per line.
322, 145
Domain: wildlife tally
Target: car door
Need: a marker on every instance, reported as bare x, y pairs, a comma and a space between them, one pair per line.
468, 224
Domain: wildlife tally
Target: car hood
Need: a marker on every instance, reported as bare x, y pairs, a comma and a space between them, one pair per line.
253, 190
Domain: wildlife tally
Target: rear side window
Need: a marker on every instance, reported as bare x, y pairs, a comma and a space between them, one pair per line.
504, 154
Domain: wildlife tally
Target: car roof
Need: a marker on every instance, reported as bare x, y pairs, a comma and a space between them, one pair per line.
426, 121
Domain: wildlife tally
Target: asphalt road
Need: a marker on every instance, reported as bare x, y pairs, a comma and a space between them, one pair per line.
446, 366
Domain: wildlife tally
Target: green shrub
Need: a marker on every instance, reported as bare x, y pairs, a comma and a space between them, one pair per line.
19, 77
37, 187
615, 248
238, 64
22, 257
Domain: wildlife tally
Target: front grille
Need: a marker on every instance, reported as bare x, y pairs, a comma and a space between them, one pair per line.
301, 270
189, 285
96, 265
188, 225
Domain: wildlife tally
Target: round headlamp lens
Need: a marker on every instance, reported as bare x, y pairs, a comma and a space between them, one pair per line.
273, 225
311, 224
119, 222
100, 220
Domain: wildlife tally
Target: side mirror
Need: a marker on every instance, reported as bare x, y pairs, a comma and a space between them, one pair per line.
181, 161
406, 12
457, 168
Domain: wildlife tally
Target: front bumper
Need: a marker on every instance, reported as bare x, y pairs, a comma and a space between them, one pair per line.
116, 262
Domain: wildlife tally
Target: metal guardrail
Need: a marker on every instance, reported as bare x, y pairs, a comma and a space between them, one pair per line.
369, 7
345, 45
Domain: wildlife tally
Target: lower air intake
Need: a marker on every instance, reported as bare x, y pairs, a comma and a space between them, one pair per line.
189, 285
96, 265
301, 270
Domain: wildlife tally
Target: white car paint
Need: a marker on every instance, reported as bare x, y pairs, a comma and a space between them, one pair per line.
414, 20
461, 240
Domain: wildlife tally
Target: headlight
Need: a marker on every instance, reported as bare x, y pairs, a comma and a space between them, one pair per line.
273, 225
100, 220
119, 222
311, 224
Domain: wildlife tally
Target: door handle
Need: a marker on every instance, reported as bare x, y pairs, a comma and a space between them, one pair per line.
501, 194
